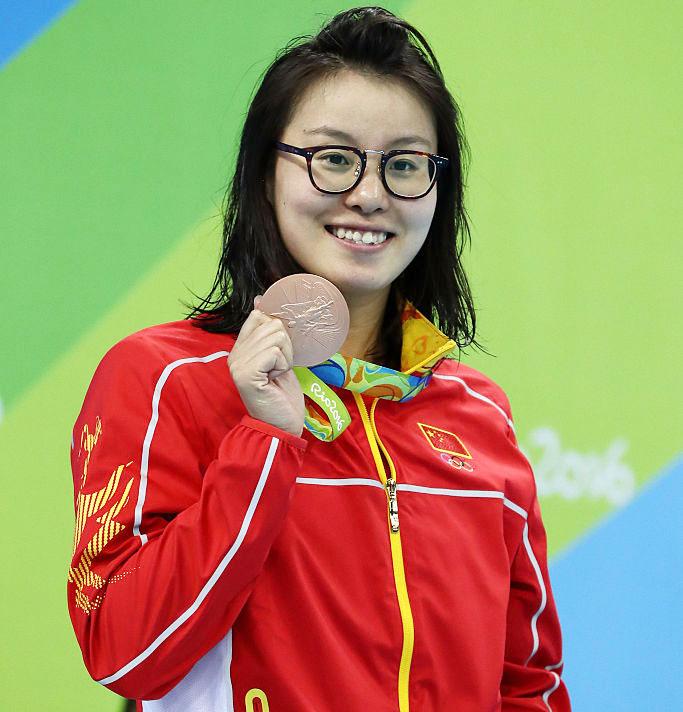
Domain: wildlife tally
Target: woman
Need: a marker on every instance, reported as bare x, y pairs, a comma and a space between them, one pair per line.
234, 551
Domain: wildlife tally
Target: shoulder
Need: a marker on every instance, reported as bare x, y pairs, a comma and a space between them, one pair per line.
164, 344
475, 384
142, 359
484, 414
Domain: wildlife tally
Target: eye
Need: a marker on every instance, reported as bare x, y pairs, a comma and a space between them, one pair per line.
403, 165
337, 159
334, 159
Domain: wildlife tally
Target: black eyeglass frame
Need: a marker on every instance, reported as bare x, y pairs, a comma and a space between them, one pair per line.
439, 161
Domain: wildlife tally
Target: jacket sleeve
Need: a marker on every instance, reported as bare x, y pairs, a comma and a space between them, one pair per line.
167, 546
533, 652
532, 669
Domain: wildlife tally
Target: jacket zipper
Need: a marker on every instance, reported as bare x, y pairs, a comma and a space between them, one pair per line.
396, 548
393, 504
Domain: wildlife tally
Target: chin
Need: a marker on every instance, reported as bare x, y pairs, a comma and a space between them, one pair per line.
343, 278
357, 288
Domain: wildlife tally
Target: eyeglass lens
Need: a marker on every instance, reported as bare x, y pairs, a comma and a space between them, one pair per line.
406, 174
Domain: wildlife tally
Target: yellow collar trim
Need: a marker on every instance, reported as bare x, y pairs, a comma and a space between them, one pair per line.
423, 343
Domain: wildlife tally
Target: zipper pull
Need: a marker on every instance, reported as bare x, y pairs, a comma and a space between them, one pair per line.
393, 504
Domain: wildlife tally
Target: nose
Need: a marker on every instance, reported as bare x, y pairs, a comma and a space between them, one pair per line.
370, 194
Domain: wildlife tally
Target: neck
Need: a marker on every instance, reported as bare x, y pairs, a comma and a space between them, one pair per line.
366, 313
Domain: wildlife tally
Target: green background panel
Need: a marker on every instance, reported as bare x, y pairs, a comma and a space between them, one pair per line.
571, 113
118, 129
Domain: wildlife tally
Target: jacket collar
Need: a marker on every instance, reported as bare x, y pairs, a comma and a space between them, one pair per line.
424, 345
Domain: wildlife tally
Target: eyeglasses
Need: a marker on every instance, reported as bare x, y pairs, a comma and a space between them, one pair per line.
338, 169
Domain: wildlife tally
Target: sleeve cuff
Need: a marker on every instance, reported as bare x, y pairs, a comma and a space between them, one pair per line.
269, 429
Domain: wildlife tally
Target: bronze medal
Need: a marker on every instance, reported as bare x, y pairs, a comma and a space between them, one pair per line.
314, 313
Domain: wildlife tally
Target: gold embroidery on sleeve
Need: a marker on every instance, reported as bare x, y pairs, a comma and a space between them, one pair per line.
88, 442
106, 506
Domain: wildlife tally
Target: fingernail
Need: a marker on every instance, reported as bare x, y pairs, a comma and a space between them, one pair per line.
257, 301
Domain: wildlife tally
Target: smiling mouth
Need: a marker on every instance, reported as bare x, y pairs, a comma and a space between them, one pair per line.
357, 237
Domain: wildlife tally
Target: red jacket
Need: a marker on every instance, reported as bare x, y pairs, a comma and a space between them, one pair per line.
219, 560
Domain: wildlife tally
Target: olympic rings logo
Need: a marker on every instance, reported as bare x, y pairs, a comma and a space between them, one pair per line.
457, 462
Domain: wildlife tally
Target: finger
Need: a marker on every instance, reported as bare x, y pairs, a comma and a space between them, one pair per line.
288, 349
289, 381
264, 332
262, 340
253, 321
270, 361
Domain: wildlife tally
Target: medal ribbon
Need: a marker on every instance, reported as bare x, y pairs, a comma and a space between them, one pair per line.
423, 348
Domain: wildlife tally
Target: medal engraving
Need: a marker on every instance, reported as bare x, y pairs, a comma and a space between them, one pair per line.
314, 312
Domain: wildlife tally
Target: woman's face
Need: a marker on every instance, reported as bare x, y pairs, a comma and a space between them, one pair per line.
368, 112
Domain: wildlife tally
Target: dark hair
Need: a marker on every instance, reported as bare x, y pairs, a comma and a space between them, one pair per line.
373, 41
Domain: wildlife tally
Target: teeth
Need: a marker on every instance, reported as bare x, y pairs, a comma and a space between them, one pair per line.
366, 238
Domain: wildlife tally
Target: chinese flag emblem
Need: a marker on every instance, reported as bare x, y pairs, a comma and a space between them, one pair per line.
445, 441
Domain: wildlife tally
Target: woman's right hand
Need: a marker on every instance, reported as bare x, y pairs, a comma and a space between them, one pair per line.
261, 366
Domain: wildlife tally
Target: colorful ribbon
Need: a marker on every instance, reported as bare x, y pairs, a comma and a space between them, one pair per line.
423, 347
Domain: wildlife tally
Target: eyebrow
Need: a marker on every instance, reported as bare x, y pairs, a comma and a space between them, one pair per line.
343, 136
